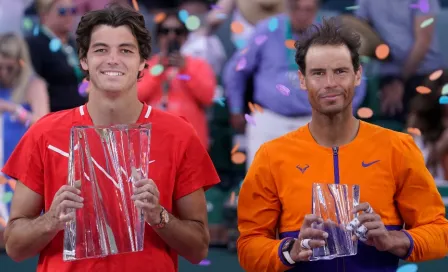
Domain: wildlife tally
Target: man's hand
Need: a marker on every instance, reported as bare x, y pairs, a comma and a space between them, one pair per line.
308, 239
370, 229
238, 122
65, 200
176, 59
392, 97
146, 198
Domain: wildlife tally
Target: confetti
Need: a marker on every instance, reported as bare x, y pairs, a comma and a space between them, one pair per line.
445, 89
365, 113
364, 59
244, 51
249, 119
443, 100
414, 131
258, 108
3, 179
205, 262
435, 75
241, 64
27, 24
12, 183
159, 17
352, 8
215, 7
283, 89
183, 77
82, 89
423, 90
408, 268
220, 101
6, 198
290, 44
273, 24
22, 63
156, 70
2, 222
235, 148
259, 40
240, 43
238, 158
55, 45
36, 30
135, 5
427, 22
183, 15
193, 22
251, 107
237, 27
382, 51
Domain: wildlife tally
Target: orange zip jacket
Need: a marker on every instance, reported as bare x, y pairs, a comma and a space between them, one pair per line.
391, 173
189, 93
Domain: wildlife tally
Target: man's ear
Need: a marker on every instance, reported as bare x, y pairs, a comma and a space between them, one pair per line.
358, 76
141, 67
302, 80
84, 64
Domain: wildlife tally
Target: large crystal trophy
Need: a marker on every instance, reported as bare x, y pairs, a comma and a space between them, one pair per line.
104, 163
334, 203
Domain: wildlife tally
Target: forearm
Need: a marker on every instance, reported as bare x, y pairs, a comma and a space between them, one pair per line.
414, 59
25, 238
400, 244
189, 239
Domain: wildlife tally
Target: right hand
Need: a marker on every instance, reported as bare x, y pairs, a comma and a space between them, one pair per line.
392, 98
238, 122
67, 197
300, 254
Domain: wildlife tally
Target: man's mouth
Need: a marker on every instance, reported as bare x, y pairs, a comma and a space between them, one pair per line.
112, 73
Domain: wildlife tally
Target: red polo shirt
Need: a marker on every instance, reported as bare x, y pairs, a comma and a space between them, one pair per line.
181, 166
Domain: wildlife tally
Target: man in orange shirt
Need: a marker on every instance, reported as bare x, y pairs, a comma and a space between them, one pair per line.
113, 47
408, 218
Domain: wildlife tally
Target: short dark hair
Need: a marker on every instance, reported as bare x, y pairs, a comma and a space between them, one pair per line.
114, 15
330, 32
172, 13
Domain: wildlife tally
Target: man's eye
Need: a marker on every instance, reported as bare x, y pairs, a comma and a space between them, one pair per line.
126, 51
100, 50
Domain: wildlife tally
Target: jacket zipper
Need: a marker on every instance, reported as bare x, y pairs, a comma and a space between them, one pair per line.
336, 164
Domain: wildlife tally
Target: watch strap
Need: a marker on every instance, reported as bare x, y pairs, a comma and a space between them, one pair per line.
287, 249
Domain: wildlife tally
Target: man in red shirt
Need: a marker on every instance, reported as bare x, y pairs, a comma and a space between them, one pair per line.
113, 46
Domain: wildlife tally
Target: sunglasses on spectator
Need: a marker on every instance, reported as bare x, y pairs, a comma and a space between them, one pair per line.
178, 31
8, 68
63, 11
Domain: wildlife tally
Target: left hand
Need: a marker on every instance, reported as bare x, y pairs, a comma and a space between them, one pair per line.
176, 60
377, 235
392, 98
146, 198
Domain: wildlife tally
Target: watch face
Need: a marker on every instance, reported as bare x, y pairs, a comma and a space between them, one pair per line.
286, 245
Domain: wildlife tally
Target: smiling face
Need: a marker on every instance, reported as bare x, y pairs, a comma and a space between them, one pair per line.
330, 78
113, 60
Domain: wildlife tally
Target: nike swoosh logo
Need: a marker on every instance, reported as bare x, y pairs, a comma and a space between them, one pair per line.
369, 164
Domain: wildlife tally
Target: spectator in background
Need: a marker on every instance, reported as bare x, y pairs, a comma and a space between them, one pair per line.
23, 100
414, 50
11, 15
54, 56
84, 6
431, 118
186, 85
285, 105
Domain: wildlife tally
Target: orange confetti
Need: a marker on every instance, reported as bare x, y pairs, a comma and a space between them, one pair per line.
12, 183
435, 75
365, 113
414, 131
235, 148
382, 51
232, 198
423, 90
159, 17
290, 44
3, 180
251, 107
258, 108
238, 158
135, 5
236, 27
244, 51
2, 222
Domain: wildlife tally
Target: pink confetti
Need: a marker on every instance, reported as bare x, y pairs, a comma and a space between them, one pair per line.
241, 64
184, 77
205, 262
83, 88
283, 89
249, 119
259, 40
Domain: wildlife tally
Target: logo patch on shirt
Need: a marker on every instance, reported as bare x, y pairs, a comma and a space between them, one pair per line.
302, 169
369, 163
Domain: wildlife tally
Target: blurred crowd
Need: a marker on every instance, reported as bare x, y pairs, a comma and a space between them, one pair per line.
228, 66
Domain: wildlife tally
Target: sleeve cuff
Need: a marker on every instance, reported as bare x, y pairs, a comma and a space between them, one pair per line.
280, 253
411, 247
